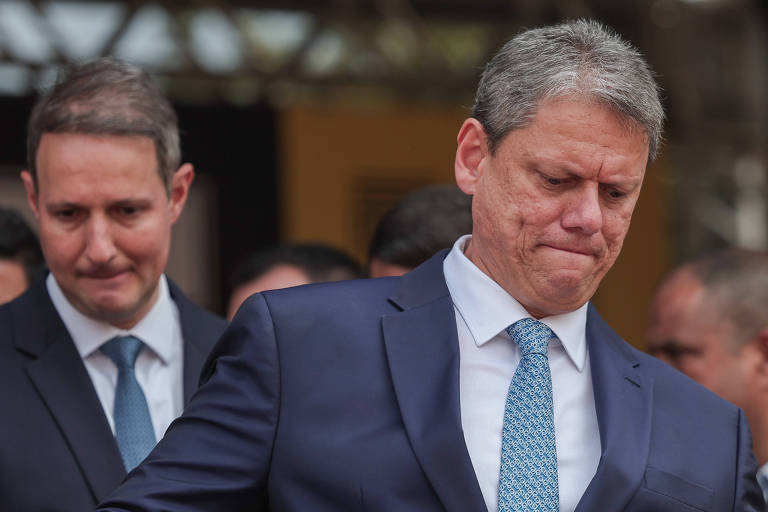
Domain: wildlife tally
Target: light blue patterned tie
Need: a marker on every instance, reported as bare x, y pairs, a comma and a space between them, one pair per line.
528, 474
133, 423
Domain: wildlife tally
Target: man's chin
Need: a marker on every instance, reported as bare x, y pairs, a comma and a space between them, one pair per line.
110, 308
113, 312
566, 292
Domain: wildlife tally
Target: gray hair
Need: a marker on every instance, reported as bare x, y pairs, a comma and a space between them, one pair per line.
107, 97
735, 283
582, 58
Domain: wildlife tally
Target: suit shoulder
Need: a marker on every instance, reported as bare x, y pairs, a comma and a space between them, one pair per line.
672, 385
354, 293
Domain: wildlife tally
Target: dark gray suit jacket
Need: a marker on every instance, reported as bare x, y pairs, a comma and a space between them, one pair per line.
57, 451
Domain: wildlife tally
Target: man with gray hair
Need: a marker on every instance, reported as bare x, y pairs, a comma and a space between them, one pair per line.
709, 321
483, 379
100, 356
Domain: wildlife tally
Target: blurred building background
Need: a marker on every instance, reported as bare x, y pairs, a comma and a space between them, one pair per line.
306, 120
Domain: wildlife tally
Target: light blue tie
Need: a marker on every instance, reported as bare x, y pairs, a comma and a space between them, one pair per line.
133, 424
528, 474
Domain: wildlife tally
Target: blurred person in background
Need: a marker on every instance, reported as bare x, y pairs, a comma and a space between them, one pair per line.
423, 222
709, 319
288, 265
101, 356
484, 379
21, 261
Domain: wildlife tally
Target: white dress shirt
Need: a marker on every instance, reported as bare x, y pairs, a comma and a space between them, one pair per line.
488, 360
159, 367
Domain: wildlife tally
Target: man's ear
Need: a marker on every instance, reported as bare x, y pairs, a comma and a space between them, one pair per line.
179, 190
471, 152
762, 347
29, 186
759, 351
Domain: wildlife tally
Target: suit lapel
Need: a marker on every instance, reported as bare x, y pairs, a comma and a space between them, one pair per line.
423, 354
623, 399
193, 333
58, 374
200, 330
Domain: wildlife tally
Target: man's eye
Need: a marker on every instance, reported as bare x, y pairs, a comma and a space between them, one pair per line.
128, 211
614, 193
554, 181
65, 214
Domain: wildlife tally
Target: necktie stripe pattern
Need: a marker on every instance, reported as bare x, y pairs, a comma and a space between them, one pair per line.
528, 473
134, 433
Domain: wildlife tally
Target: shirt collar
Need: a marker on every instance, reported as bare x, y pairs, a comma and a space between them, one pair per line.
155, 329
488, 309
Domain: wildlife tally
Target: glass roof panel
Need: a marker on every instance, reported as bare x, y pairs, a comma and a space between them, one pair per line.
14, 79
276, 31
326, 54
148, 41
22, 33
84, 27
214, 41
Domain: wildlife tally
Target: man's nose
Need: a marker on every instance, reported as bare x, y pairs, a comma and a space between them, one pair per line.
100, 247
584, 211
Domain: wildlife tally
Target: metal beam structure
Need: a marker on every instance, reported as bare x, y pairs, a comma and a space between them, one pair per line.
711, 57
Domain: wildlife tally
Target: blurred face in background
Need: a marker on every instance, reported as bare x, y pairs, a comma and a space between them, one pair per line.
279, 276
689, 334
381, 268
13, 280
105, 220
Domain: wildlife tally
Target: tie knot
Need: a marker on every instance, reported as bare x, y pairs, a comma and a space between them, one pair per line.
530, 335
122, 350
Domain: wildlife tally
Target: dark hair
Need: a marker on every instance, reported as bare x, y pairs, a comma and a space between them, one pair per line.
735, 282
319, 261
578, 58
107, 97
19, 243
420, 224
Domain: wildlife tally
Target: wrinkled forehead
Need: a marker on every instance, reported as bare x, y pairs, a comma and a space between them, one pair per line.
632, 127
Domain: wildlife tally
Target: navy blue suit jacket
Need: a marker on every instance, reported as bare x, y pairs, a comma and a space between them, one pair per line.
345, 397
51, 420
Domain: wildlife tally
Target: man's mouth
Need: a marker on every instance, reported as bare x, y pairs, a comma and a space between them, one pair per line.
103, 274
571, 249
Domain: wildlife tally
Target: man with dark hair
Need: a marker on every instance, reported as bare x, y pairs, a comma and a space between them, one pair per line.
21, 261
483, 379
709, 321
288, 265
423, 222
101, 356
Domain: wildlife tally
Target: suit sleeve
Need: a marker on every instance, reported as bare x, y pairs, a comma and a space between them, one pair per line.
216, 456
748, 496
